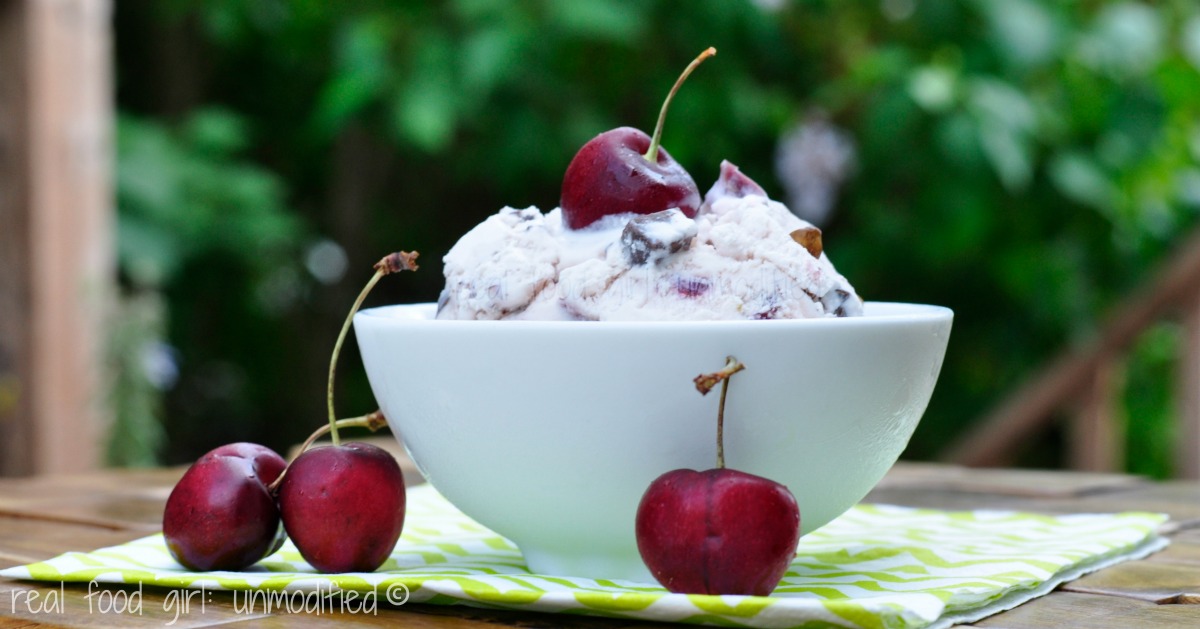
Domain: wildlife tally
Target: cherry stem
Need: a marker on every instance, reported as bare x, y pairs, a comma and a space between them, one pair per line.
704, 384
391, 263
371, 421
652, 153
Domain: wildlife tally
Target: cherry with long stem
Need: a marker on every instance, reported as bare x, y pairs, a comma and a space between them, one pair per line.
626, 171
652, 153
720, 530
391, 263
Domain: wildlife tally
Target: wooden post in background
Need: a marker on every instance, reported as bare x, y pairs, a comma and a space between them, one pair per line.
1096, 434
56, 231
1187, 394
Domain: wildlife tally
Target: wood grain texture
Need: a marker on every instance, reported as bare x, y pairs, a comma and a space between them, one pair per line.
1062, 610
44, 516
1154, 581
1009, 482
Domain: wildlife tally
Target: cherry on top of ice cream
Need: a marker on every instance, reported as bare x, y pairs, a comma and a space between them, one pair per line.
623, 171
611, 175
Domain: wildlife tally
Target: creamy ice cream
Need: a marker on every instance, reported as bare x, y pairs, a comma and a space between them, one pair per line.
743, 256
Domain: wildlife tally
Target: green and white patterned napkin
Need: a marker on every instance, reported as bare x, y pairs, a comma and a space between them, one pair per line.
876, 566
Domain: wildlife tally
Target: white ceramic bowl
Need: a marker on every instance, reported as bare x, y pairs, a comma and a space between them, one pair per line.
548, 432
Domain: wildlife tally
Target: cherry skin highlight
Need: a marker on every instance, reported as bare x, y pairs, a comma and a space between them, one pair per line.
267, 463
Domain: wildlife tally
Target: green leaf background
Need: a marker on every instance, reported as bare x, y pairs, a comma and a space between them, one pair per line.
1024, 162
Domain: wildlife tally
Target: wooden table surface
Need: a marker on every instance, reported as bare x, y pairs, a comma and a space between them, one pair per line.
43, 517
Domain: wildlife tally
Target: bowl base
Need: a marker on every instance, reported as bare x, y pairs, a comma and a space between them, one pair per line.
601, 566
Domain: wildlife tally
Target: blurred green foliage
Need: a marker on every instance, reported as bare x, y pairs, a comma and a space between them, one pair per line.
1024, 162
183, 194
189, 206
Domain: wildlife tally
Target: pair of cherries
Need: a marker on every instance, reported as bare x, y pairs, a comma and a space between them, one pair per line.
342, 505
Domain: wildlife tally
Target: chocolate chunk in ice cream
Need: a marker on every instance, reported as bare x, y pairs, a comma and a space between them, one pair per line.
841, 303
651, 238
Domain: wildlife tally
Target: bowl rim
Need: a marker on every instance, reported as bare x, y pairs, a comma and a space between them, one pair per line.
874, 313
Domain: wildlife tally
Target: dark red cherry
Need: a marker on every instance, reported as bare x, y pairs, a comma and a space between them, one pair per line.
719, 531
611, 175
624, 171
343, 506
220, 515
